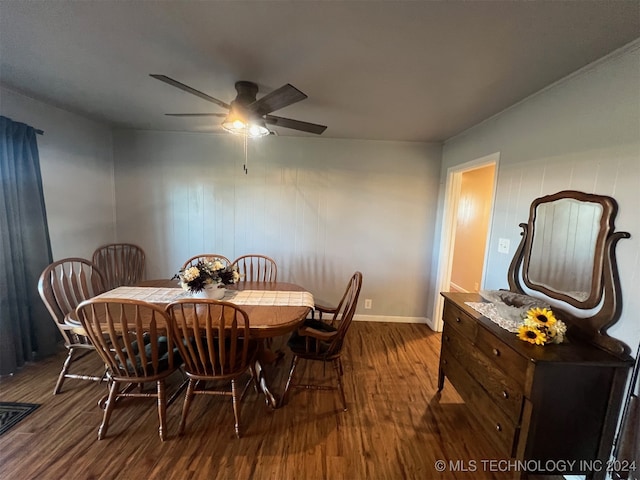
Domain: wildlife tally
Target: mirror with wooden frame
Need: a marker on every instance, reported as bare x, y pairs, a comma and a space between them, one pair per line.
567, 253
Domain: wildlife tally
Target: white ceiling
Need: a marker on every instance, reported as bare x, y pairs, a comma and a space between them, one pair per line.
388, 70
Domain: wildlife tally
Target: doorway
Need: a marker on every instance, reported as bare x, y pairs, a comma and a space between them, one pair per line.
464, 243
471, 228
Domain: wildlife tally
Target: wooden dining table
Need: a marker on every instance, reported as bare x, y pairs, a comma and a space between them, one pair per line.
269, 317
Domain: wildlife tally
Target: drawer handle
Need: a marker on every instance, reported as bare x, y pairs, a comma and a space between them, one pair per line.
446, 338
498, 427
505, 394
458, 319
496, 352
444, 362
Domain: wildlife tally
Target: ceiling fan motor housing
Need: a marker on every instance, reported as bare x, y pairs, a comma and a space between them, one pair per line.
247, 92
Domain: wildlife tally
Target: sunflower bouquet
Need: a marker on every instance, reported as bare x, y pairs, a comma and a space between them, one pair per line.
541, 327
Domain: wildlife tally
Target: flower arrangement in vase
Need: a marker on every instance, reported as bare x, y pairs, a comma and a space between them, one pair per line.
207, 277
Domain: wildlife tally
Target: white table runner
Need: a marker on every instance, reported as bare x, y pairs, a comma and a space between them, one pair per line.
146, 294
238, 297
270, 298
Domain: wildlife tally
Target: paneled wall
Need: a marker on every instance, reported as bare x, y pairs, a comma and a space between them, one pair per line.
77, 174
582, 133
322, 208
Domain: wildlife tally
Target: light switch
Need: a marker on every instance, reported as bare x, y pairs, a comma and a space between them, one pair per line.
503, 245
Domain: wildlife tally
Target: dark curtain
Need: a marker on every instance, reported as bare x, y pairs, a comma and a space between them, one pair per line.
27, 331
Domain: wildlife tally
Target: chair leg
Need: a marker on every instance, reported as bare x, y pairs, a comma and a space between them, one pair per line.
111, 402
246, 386
254, 378
187, 403
294, 363
162, 408
236, 406
337, 366
64, 371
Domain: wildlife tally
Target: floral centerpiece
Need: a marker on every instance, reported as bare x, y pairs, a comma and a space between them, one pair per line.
541, 327
205, 274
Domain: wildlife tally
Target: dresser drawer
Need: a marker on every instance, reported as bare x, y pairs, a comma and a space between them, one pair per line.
505, 393
492, 421
503, 357
570, 394
460, 320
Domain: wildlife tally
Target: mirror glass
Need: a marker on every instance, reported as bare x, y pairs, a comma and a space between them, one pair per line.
563, 249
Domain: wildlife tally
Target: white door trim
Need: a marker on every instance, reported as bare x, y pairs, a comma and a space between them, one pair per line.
447, 235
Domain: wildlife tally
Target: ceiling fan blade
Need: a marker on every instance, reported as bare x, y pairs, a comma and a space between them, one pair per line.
280, 98
221, 115
187, 88
295, 124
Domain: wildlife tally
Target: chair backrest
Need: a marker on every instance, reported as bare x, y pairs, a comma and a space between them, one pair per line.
120, 263
214, 337
205, 257
256, 268
64, 284
344, 313
134, 338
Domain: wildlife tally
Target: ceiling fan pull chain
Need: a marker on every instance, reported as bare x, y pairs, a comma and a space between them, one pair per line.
246, 155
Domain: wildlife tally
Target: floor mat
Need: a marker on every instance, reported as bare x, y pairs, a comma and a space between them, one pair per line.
11, 413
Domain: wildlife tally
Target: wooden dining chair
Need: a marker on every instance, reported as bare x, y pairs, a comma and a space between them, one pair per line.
216, 345
137, 344
256, 268
120, 263
320, 340
63, 285
205, 257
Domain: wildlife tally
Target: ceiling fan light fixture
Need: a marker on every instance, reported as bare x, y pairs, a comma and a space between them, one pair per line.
237, 125
234, 123
254, 128
258, 129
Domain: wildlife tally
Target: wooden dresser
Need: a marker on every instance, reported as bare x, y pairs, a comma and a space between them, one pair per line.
552, 402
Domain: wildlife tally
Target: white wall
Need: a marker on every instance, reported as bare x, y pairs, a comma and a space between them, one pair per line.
582, 133
77, 174
322, 208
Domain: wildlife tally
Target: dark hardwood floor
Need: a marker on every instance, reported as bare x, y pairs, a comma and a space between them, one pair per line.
396, 427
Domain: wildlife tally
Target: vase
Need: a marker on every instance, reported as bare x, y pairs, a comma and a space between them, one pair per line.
212, 292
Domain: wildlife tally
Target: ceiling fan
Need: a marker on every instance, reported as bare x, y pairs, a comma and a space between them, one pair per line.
248, 115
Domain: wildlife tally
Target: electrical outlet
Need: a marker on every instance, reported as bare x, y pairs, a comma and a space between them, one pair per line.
367, 303
503, 245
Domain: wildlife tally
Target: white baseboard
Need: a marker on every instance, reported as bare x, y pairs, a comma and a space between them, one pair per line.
458, 288
391, 319
432, 326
